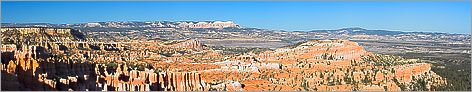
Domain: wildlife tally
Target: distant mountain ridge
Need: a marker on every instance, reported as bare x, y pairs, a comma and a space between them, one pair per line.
358, 30
148, 24
202, 25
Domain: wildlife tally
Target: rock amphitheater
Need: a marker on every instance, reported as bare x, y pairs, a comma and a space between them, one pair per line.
42, 59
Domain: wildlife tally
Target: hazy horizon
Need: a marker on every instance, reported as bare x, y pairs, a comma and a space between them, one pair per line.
444, 17
260, 28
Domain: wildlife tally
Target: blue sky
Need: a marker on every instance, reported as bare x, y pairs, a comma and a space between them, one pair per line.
451, 17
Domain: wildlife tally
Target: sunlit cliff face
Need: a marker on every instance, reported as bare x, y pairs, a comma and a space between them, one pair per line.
62, 59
